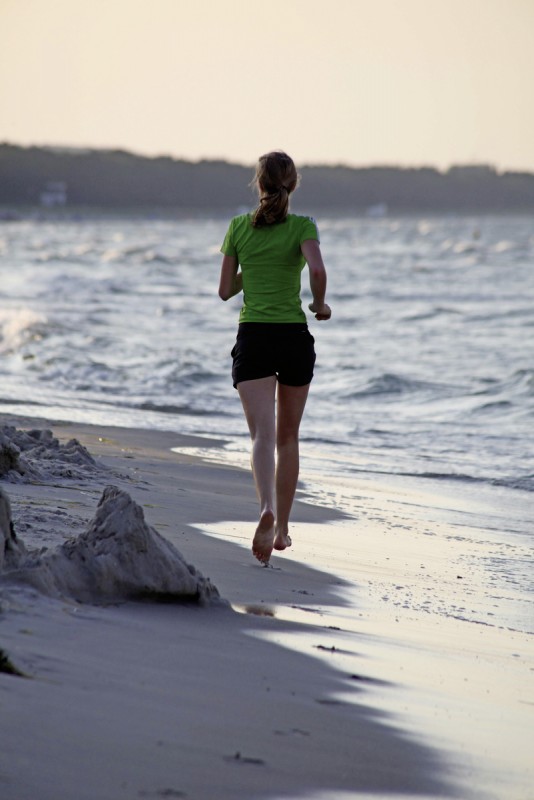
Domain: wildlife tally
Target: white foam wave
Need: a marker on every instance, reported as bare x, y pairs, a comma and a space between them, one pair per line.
18, 327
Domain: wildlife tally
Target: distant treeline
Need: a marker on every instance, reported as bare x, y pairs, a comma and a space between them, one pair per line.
116, 179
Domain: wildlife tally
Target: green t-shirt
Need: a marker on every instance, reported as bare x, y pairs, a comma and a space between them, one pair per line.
271, 262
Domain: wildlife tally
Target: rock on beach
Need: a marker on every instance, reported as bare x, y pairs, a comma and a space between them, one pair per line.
118, 557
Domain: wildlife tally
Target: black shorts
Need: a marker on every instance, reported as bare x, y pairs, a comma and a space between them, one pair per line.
284, 349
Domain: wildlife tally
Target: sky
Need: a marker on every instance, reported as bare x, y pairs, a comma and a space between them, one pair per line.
356, 82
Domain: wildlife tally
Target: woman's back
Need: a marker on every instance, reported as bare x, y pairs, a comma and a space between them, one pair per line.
271, 262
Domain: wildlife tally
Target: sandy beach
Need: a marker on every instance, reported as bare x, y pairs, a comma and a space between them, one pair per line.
312, 678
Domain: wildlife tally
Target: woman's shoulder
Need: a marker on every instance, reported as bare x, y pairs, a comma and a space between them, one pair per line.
305, 224
241, 219
302, 219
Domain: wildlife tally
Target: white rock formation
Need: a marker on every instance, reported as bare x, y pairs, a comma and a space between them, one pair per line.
118, 557
38, 455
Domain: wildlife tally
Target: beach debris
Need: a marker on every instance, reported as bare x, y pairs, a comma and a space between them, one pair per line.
237, 757
259, 611
37, 455
329, 701
292, 732
118, 557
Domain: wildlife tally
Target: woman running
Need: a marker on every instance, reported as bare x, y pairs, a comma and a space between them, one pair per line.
274, 356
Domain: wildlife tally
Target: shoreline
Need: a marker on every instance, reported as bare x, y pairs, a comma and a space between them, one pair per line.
306, 686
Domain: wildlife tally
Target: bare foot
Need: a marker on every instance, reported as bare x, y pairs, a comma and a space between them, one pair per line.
282, 541
262, 544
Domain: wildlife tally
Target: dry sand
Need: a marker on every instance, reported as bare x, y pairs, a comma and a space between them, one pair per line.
302, 685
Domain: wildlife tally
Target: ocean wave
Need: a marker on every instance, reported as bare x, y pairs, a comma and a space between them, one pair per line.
437, 311
19, 327
504, 246
519, 384
155, 257
142, 254
169, 408
523, 483
447, 476
338, 443
523, 380
124, 253
493, 408
69, 256
8, 401
391, 384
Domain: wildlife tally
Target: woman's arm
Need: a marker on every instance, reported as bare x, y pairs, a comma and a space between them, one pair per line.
312, 253
231, 282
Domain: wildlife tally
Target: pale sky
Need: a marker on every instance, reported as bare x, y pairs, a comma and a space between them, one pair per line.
359, 82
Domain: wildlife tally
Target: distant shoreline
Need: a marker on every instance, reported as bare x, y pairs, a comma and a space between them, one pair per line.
72, 181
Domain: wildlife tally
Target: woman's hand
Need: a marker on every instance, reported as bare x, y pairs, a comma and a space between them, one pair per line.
311, 251
321, 311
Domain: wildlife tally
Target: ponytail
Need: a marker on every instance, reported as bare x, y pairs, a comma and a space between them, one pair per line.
272, 208
275, 179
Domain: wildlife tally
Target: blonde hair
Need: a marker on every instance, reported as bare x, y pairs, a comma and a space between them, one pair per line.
276, 177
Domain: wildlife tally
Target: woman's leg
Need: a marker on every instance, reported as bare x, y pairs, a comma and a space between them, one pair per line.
291, 403
257, 397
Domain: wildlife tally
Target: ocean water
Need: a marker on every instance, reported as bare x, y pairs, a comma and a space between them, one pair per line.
425, 371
